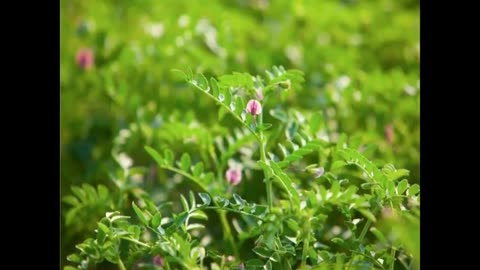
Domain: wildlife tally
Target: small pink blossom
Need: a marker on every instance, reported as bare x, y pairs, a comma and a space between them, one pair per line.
85, 58
158, 260
254, 107
234, 176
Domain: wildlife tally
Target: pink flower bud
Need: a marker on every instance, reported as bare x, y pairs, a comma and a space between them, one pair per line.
259, 94
389, 213
84, 58
158, 260
254, 107
389, 134
234, 176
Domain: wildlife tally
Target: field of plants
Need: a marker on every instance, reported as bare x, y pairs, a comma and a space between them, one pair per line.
240, 134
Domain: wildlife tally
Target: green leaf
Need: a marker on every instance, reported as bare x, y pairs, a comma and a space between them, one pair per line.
90, 192
324, 255
239, 200
169, 157
296, 155
184, 203
76, 259
335, 189
338, 241
201, 81
180, 72
214, 85
313, 254
205, 198
402, 186
156, 156
70, 200
413, 190
185, 162
254, 264
195, 226
263, 252
199, 215
338, 164
197, 169
379, 235
80, 193
224, 201
103, 192
286, 183
354, 157
315, 122
103, 227
268, 265
367, 186
293, 225
156, 219
227, 97
264, 126
239, 105
192, 199
139, 214
279, 114
366, 213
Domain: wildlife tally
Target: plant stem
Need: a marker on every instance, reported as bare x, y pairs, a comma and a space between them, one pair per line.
364, 230
305, 245
120, 264
136, 242
263, 157
227, 233
392, 253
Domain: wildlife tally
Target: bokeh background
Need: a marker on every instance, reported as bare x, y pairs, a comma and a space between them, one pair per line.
361, 61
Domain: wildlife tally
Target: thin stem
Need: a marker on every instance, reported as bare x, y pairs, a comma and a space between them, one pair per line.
231, 210
173, 169
120, 264
306, 244
136, 242
227, 233
392, 253
167, 265
364, 230
263, 157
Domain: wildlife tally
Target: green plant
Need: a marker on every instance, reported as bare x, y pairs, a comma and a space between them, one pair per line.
320, 202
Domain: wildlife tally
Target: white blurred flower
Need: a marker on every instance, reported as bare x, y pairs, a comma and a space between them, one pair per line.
183, 21
155, 30
124, 160
343, 82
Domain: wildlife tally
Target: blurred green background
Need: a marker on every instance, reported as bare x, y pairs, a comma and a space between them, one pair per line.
361, 61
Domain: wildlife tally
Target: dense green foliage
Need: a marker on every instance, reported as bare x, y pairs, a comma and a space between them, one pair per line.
329, 169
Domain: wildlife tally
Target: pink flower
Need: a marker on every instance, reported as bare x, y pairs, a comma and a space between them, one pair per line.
389, 134
158, 260
254, 107
85, 58
234, 176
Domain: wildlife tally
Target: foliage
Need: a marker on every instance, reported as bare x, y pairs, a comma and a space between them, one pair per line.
329, 168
